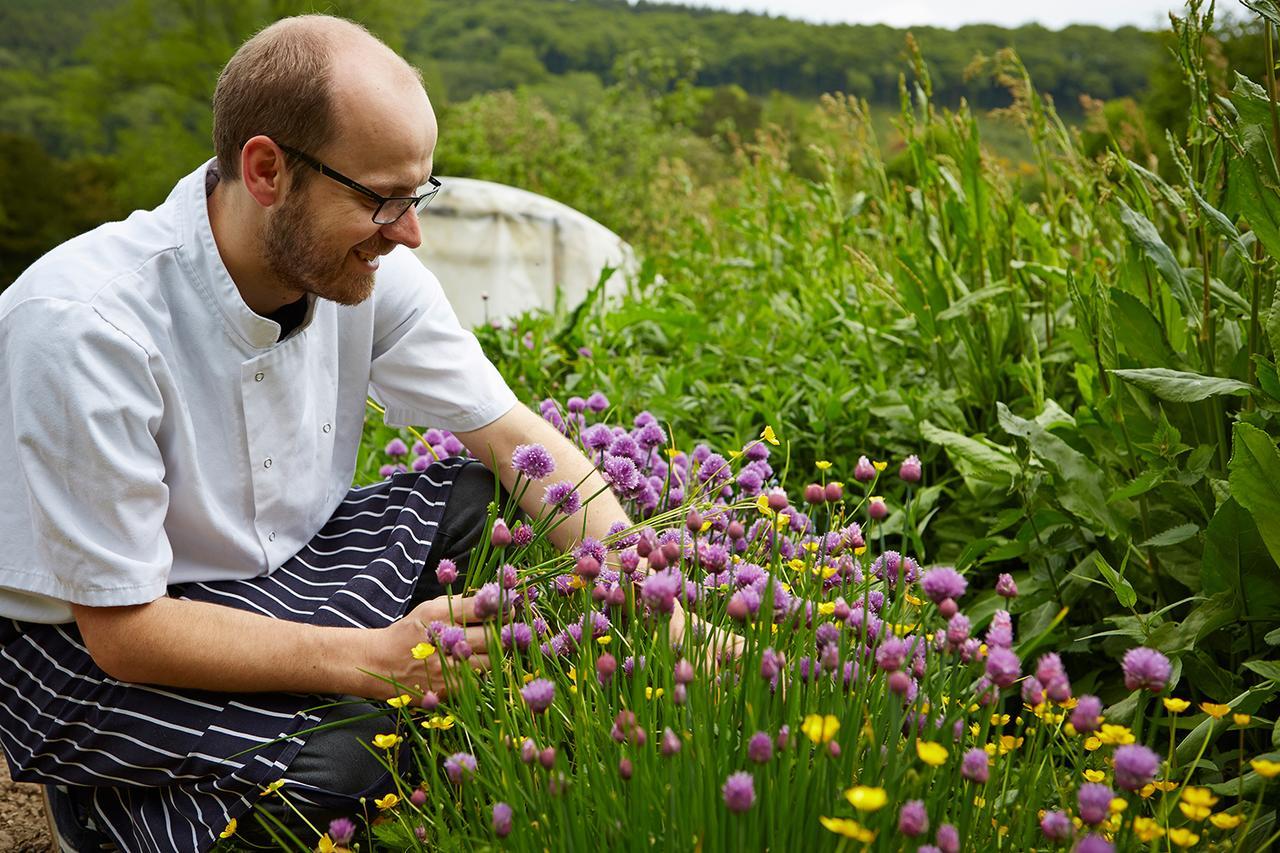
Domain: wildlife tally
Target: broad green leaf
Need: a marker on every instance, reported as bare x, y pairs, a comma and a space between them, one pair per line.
963, 305
1178, 386
1236, 559
1080, 485
1272, 638
1268, 669
1268, 379
1255, 481
1138, 332
1141, 484
1142, 232
984, 466
1172, 536
1252, 188
1124, 591
1222, 225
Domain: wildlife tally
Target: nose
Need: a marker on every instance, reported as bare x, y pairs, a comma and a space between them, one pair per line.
406, 230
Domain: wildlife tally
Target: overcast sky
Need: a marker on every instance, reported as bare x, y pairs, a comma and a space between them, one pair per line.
1149, 14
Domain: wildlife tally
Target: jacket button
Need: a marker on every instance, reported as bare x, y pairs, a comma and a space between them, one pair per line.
266, 462
326, 427
258, 377
271, 537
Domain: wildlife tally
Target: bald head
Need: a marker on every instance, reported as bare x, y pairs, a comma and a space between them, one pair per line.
313, 82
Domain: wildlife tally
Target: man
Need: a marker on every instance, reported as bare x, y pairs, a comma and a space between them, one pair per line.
182, 567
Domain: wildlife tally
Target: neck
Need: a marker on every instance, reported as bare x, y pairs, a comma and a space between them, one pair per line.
236, 226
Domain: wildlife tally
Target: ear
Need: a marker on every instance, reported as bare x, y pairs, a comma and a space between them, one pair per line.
262, 170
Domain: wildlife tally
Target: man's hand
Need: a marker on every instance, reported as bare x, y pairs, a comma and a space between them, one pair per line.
391, 647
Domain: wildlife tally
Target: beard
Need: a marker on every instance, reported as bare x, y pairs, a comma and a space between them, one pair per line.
299, 259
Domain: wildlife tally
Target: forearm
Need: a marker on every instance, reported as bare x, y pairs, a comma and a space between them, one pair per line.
205, 646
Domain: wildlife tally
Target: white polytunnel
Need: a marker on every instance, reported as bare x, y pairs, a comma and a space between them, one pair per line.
500, 251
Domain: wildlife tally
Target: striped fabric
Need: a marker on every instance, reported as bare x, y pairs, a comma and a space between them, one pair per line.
154, 765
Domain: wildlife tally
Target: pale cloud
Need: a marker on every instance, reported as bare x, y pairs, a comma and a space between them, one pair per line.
1055, 14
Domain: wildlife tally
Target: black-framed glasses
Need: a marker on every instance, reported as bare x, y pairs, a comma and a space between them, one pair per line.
390, 208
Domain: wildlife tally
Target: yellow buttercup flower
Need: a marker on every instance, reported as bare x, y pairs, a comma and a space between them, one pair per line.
1175, 706
826, 608
911, 599
1183, 837
1265, 768
848, 828
1091, 743
326, 845
1118, 804
604, 640
933, 754
650, 693
823, 464
387, 802
1165, 785
1199, 796
272, 787
1147, 829
1146, 791
820, 729
769, 436
1215, 710
795, 564
1223, 820
438, 722
1241, 719
1114, 735
422, 651
387, 741
400, 701
1094, 775
879, 466
866, 799
230, 830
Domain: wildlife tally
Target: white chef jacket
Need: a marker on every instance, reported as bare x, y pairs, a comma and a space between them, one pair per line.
154, 431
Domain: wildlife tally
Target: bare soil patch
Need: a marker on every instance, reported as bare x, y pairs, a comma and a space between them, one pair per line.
22, 823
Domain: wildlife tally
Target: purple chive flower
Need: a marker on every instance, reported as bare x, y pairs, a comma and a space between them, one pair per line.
760, 748
341, 831
1145, 669
489, 601
387, 470
528, 751
975, 766
533, 461
1094, 799
670, 743
1000, 632
927, 848
420, 464
501, 820
1135, 766
739, 792
452, 446
948, 839
891, 654
1056, 826
1032, 691
660, 590
913, 819
770, 664
446, 571
1003, 666
597, 437
910, 469
620, 472
397, 448
1086, 715
539, 694
460, 767
943, 583
500, 536
891, 565
517, 635
1006, 587
957, 630
563, 497
576, 405
597, 402
606, 666
1094, 844
864, 471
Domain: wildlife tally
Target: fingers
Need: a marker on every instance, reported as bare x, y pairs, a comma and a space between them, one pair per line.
456, 609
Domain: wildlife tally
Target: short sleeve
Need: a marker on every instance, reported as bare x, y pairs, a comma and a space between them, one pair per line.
85, 409
426, 369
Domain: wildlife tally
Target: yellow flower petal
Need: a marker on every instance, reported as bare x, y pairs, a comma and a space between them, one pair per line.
1226, 821
230, 830
848, 828
1094, 775
933, 754
272, 787
823, 464
422, 651
1215, 710
400, 701
1147, 829
1183, 837
879, 466
1091, 743
387, 802
769, 436
326, 845
866, 799
1241, 719
604, 640
386, 741
820, 729
1175, 706
1199, 797
1265, 768
1164, 785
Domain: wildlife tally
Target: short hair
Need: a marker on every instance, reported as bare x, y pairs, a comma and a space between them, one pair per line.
278, 84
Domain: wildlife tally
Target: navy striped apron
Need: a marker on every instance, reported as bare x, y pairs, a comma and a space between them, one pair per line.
157, 762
